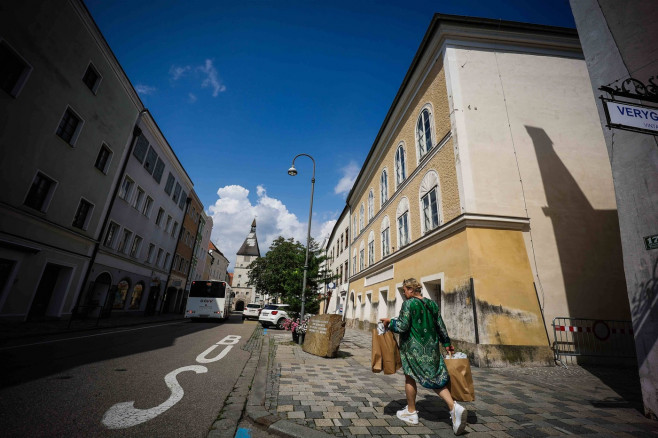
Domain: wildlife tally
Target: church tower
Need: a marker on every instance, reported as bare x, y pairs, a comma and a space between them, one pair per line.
248, 252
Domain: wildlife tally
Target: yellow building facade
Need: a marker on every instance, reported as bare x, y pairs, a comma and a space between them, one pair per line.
454, 192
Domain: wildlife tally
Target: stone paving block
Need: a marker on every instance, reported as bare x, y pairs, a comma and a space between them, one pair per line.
359, 430
349, 415
341, 422
396, 430
285, 408
322, 422
418, 429
361, 422
378, 422
479, 427
296, 414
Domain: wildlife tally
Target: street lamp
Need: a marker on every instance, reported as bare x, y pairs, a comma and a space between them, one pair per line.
292, 172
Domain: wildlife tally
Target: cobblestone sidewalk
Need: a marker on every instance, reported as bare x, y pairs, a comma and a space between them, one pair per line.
342, 397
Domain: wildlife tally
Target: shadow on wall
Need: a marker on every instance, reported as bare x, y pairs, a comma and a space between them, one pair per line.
588, 240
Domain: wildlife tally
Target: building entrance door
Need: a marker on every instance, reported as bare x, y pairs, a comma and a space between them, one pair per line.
44, 291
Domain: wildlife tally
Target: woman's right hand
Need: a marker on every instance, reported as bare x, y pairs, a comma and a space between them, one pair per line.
385, 321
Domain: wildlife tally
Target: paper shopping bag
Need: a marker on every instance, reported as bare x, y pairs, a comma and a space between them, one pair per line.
461, 380
376, 362
390, 353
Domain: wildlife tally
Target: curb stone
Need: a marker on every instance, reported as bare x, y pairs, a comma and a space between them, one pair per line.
258, 413
232, 412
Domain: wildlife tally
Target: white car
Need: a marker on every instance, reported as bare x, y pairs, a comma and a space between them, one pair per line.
252, 311
273, 315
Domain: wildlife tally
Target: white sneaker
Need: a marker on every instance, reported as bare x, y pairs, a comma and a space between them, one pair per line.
408, 417
458, 416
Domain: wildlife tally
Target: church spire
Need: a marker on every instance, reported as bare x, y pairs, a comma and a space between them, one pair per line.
250, 245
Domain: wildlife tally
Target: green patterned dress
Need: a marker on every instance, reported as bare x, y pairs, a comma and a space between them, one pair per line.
419, 342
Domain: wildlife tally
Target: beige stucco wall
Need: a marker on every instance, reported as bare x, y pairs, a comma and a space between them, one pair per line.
530, 145
442, 161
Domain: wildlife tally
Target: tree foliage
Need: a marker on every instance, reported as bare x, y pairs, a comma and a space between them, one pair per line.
280, 273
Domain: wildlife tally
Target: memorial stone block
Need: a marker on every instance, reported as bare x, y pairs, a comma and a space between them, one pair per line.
323, 335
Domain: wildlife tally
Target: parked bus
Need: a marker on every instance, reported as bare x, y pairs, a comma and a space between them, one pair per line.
209, 299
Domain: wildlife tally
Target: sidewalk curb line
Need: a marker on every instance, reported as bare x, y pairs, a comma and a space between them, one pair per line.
227, 425
271, 422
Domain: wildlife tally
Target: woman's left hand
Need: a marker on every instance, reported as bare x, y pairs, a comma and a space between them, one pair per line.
385, 321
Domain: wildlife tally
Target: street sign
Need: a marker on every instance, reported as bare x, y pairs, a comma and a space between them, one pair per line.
651, 242
631, 117
331, 285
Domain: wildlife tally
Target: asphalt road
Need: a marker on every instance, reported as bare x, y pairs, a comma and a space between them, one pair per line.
175, 373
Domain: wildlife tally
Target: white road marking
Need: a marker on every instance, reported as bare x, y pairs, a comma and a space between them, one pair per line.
202, 357
87, 336
124, 415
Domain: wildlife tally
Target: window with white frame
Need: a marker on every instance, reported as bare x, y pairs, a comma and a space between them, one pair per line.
429, 201
168, 223
402, 215
386, 237
83, 214
14, 71
166, 260
150, 253
371, 248
158, 218
136, 245
126, 188
400, 166
176, 193
148, 205
103, 159
170, 184
424, 131
141, 146
69, 127
371, 205
41, 192
174, 229
354, 224
181, 203
383, 188
158, 260
139, 198
92, 78
159, 169
354, 262
151, 159
362, 213
111, 235
362, 257
125, 238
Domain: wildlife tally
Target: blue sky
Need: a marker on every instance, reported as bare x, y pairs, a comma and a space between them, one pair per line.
240, 88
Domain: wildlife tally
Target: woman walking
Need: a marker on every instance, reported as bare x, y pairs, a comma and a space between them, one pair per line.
421, 328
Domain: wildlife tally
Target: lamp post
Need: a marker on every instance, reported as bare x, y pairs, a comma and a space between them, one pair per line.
292, 172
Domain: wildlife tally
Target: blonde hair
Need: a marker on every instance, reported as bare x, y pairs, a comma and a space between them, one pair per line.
412, 283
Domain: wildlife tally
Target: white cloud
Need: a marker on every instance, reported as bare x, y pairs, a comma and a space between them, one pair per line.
350, 172
206, 72
176, 72
144, 90
233, 213
211, 80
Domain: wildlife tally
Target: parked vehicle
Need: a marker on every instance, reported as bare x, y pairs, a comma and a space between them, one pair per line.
252, 311
209, 299
273, 315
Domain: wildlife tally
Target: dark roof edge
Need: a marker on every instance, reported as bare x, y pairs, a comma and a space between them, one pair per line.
437, 18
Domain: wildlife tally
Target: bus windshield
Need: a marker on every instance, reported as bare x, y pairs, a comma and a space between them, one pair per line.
208, 289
